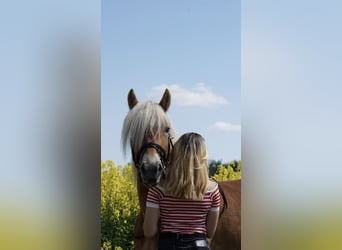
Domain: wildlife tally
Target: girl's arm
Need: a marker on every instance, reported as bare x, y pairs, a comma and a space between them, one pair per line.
213, 214
151, 222
212, 220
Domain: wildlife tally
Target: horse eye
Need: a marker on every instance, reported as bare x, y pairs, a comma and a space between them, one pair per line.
167, 130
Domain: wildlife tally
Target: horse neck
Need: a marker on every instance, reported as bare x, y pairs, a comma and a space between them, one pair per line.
142, 194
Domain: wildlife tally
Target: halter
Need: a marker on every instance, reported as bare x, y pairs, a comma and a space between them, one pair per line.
164, 157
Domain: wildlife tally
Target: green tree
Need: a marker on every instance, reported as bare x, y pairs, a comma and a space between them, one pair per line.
230, 171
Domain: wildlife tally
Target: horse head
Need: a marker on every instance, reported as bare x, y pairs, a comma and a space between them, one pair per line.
149, 132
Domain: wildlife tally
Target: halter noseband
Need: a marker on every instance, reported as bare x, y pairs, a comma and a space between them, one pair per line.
164, 157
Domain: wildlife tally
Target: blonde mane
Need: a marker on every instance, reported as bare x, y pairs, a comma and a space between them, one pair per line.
144, 118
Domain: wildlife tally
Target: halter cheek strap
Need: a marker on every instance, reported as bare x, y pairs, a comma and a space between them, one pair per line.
157, 147
165, 157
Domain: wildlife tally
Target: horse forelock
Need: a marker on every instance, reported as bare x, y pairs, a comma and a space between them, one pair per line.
145, 118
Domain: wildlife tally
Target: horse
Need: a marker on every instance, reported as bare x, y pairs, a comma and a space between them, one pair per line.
228, 230
149, 132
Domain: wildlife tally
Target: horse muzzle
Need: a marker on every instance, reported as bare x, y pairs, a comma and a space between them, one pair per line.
151, 174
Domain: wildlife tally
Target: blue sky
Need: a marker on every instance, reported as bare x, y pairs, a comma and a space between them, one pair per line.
190, 47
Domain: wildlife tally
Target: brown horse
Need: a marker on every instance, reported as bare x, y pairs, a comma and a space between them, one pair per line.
149, 132
228, 231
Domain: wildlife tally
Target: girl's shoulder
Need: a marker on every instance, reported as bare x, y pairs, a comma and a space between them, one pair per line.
160, 188
156, 191
212, 186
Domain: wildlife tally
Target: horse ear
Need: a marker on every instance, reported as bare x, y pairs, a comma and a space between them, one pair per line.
132, 99
166, 100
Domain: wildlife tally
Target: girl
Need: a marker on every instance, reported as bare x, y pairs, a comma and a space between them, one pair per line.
186, 203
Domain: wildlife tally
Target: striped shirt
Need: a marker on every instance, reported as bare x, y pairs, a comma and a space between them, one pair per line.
182, 215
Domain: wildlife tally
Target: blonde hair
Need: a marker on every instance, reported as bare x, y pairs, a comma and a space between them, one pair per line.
187, 174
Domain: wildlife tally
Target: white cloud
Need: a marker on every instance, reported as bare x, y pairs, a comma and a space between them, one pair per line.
225, 126
201, 95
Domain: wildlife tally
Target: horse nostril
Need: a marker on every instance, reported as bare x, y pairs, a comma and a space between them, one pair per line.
143, 170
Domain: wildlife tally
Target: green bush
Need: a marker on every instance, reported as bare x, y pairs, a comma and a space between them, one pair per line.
119, 206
